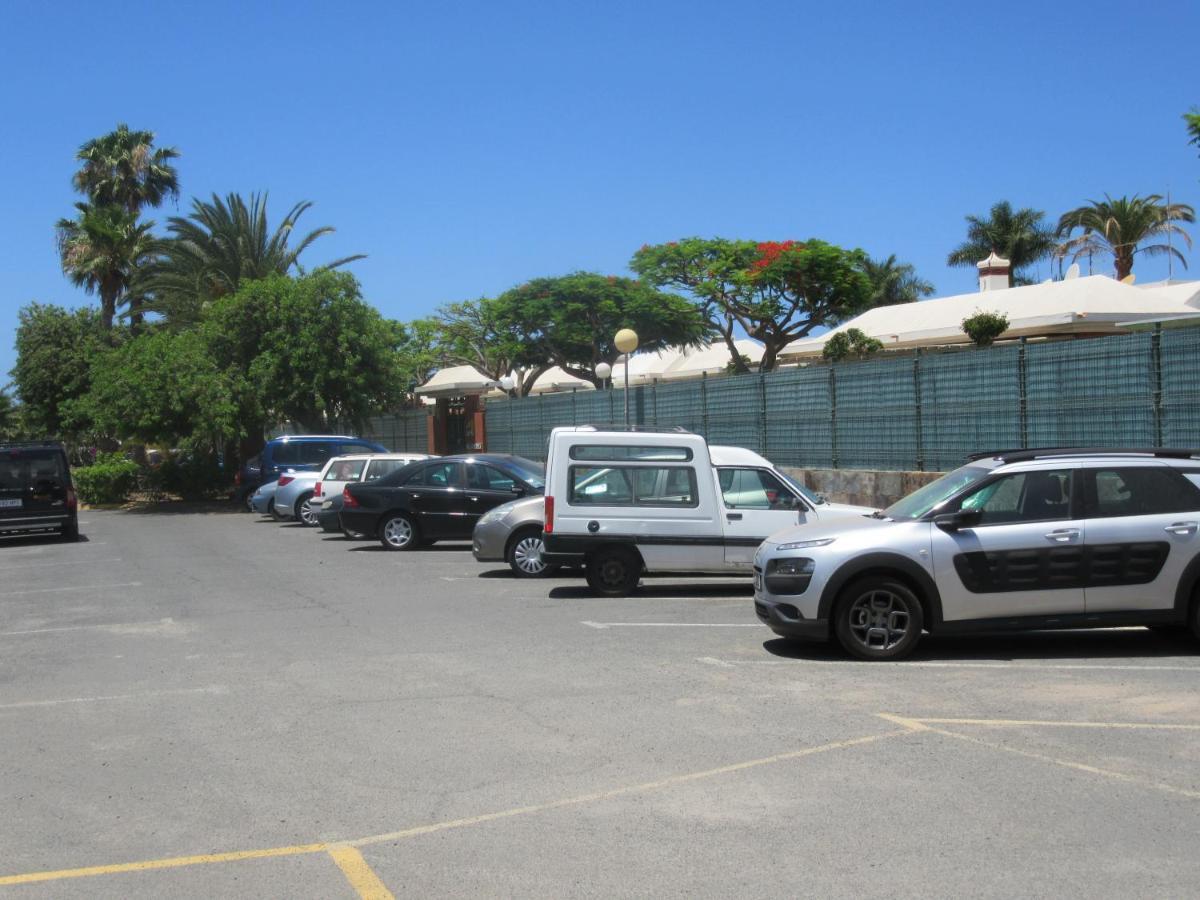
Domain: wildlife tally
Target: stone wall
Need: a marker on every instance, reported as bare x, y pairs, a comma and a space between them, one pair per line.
862, 487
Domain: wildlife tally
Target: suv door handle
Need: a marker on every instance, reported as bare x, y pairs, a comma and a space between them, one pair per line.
1180, 528
1063, 535
733, 517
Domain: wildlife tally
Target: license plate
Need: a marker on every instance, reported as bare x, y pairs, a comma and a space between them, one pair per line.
10, 504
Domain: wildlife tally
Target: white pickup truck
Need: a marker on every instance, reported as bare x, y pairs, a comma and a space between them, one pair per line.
622, 502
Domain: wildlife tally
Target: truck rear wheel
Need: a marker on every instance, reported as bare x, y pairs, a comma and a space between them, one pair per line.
614, 572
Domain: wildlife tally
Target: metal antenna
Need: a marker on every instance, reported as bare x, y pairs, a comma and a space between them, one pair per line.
1170, 249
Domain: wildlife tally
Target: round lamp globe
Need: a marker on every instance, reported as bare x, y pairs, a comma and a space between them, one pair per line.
626, 340
603, 371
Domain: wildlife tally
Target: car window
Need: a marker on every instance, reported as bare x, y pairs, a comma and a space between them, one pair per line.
1022, 497
316, 452
1142, 491
929, 497
380, 468
24, 467
351, 449
640, 486
286, 454
346, 470
443, 475
754, 489
488, 478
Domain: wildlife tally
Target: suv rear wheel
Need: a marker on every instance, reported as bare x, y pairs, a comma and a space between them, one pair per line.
614, 572
878, 617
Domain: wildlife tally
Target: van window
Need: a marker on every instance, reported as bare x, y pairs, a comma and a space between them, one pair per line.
616, 453
346, 470
285, 454
632, 486
382, 467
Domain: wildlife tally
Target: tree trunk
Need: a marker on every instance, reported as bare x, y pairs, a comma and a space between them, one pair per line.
1123, 260
108, 308
739, 364
770, 355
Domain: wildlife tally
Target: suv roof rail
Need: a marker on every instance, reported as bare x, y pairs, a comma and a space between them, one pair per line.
639, 429
1026, 454
6, 445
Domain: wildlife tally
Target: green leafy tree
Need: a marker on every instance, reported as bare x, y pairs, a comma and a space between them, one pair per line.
419, 349
984, 327
307, 350
218, 246
1123, 228
475, 333
10, 418
570, 321
100, 250
124, 169
775, 291
1020, 236
162, 388
894, 282
853, 342
55, 349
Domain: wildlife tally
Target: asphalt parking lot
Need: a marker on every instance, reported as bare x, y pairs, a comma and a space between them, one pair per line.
211, 705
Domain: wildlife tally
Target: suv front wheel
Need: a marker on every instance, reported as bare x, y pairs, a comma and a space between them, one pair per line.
878, 617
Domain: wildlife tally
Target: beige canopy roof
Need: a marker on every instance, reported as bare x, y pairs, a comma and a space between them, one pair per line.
1093, 305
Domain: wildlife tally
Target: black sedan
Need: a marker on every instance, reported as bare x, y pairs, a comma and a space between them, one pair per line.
437, 499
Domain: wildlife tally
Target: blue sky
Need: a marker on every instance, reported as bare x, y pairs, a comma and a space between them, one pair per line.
467, 147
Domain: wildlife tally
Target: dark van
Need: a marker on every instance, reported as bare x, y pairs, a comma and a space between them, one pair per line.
297, 453
36, 493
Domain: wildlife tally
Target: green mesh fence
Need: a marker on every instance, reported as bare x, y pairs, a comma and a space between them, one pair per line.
923, 411
405, 431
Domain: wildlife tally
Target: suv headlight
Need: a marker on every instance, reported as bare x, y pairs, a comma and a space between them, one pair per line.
802, 545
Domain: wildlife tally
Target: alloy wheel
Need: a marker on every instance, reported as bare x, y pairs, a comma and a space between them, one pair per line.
880, 619
398, 532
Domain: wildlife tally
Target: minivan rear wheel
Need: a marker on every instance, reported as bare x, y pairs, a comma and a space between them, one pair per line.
614, 572
878, 618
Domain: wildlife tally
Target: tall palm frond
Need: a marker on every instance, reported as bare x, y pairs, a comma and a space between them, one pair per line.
1120, 227
1018, 235
220, 244
101, 249
894, 282
123, 168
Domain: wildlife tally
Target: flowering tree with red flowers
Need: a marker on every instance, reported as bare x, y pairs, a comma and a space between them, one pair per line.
775, 291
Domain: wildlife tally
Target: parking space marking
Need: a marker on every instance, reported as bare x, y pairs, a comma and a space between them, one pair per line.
908, 664
33, 704
929, 725
174, 862
299, 849
360, 875
116, 626
603, 625
69, 562
81, 587
1019, 723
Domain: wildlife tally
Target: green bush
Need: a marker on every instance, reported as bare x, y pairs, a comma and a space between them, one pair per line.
192, 476
984, 327
110, 479
853, 342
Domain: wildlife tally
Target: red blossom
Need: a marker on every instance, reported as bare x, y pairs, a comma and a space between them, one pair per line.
769, 251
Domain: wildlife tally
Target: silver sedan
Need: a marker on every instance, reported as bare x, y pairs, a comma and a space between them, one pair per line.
512, 533
292, 496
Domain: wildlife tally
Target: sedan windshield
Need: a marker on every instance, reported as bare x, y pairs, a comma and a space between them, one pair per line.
920, 502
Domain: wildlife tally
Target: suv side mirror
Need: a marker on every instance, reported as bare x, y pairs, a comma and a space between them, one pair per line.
964, 518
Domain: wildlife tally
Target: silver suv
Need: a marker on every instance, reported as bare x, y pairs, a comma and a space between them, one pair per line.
1022, 539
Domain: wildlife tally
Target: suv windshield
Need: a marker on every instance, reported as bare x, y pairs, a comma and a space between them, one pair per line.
920, 502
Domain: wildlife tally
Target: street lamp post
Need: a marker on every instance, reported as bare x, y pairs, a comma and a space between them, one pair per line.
627, 341
602, 372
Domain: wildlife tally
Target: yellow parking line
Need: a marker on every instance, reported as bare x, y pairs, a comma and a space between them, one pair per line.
623, 791
174, 862
346, 859
1050, 723
360, 875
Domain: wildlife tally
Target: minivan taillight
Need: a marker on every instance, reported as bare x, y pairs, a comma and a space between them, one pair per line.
318, 491
348, 501
285, 479
72, 500
548, 526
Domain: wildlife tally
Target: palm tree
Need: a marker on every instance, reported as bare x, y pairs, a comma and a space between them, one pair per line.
1017, 235
101, 249
1119, 226
123, 168
218, 246
894, 282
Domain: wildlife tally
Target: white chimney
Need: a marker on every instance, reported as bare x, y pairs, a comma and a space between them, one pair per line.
993, 273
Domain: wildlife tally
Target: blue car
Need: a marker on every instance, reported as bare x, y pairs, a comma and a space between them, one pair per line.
297, 453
